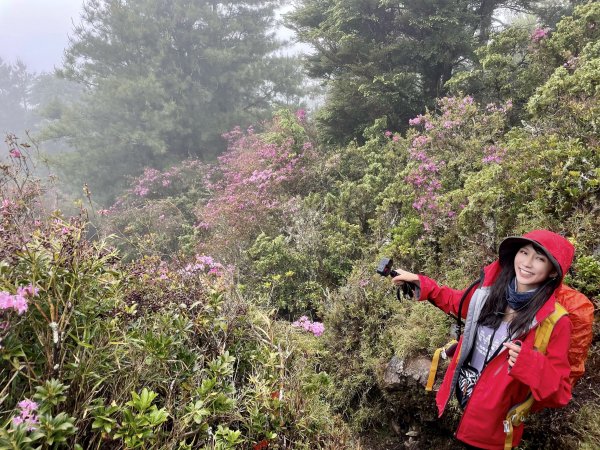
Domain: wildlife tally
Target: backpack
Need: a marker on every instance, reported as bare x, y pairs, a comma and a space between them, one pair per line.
581, 314
518, 413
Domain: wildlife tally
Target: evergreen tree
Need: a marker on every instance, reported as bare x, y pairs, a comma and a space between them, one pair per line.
163, 79
384, 58
15, 85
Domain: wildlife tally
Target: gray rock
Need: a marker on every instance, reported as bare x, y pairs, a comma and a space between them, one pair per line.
399, 372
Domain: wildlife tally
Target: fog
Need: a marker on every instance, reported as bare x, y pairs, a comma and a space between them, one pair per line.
36, 31
160, 82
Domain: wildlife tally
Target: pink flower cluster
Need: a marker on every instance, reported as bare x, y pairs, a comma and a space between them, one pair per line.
250, 179
425, 180
204, 264
18, 301
154, 181
316, 328
27, 415
301, 115
493, 154
539, 34
15, 153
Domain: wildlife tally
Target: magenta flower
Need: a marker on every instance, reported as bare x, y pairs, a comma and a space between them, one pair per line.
27, 405
416, 120
420, 141
301, 115
27, 414
15, 153
18, 302
539, 34
316, 328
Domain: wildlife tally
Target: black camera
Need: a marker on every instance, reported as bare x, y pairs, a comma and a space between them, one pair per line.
385, 269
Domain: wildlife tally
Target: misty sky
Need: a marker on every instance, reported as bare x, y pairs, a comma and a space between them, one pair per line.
36, 31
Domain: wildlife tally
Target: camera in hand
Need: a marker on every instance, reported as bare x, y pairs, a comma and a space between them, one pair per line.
385, 269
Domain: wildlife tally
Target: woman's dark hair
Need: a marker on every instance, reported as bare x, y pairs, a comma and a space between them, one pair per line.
492, 312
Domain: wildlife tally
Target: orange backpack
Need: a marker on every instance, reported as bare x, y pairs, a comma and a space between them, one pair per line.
581, 314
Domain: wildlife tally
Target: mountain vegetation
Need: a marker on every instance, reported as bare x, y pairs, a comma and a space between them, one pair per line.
232, 302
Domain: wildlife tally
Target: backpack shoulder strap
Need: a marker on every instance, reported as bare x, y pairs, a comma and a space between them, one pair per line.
477, 282
517, 414
543, 332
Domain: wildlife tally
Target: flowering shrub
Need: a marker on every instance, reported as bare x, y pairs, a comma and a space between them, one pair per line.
539, 34
118, 333
252, 182
156, 215
448, 143
316, 328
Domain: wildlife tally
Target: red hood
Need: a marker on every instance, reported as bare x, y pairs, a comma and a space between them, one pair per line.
558, 249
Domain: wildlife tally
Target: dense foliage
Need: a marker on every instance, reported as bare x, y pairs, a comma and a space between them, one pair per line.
149, 354
387, 59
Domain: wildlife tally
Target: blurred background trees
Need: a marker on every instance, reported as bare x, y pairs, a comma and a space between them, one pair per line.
163, 80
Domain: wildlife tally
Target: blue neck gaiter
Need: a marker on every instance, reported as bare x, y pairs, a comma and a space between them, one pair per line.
517, 300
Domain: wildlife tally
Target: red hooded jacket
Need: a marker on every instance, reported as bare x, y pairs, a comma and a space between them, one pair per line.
497, 390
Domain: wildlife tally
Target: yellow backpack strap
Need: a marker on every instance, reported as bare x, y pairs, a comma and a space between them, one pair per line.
518, 413
435, 362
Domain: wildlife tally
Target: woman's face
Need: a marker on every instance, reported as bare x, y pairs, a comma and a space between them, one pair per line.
532, 269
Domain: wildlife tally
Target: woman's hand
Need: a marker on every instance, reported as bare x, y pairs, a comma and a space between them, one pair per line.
513, 352
405, 277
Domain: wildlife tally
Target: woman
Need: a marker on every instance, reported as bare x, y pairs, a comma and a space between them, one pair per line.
497, 366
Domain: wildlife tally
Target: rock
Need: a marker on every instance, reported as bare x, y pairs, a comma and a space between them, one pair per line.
398, 372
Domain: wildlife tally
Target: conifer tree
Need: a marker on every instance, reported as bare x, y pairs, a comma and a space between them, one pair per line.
163, 79
388, 59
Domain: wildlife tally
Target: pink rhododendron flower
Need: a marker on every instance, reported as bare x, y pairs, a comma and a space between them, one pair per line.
539, 34
388, 133
15, 153
27, 414
493, 154
5, 300
28, 291
301, 115
420, 141
416, 120
27, 405
18, 302
316, 328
